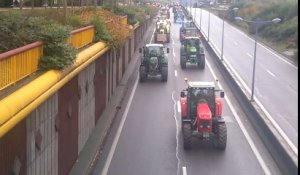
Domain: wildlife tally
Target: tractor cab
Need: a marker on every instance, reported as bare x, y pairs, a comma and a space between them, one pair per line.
154, 50
189, 32
200, 92
187, 24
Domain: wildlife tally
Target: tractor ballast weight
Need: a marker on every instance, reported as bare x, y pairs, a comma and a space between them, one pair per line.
153, 62
201, 114
191, 52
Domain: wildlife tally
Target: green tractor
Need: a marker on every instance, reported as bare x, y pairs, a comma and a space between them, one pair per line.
192, 52
162, 31
154, 62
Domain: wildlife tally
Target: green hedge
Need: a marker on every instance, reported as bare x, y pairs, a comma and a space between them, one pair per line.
17, 30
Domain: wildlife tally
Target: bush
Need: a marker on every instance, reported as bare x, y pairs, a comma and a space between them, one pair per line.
102, 33
57, 56
75, 21
20, 30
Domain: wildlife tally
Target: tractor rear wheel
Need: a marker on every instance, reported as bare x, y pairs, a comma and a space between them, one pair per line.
164, 73
182, 58
182, 62
187, 135
143, 73
221, 136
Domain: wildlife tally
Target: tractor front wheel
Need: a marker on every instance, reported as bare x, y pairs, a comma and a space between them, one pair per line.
187, 135
220, 136
143, 74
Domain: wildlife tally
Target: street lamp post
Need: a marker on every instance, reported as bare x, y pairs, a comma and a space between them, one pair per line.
256, 25
200, 17
222, 47
208, 25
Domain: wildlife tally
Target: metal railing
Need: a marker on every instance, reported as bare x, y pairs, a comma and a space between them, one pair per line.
19, 63
82, 37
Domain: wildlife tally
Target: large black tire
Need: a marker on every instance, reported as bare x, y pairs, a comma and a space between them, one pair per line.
201, 62
187, 135
182, 58
220, 139
164, 74
143, 74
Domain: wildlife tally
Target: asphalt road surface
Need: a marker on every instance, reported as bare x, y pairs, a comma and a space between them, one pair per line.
146, 136
276, 79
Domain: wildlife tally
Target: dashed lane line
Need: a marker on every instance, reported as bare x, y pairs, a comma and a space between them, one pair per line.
184, 172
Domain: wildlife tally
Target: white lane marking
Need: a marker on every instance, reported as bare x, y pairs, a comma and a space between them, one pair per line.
178, 106
281, 132
248, 138
173, 42
277, 56
116, 139
175, 72
184, 170
270, 73
177, 132
249, 55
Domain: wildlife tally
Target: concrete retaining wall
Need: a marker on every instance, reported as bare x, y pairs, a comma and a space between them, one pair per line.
40, 143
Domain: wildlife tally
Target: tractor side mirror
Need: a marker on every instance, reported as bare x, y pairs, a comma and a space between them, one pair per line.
222, 94
140, 50
168, 50
182, 94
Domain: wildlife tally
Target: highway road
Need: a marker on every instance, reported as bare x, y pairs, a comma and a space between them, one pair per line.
146, 139
276, 78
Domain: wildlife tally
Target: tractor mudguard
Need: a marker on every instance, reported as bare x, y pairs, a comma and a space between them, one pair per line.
183, 104
219, 106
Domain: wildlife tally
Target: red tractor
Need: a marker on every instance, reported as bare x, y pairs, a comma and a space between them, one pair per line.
201, 114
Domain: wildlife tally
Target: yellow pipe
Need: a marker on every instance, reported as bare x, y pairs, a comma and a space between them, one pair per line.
21, 103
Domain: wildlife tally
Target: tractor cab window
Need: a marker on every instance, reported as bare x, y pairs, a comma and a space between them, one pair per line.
198, 95
191, 32
154, 51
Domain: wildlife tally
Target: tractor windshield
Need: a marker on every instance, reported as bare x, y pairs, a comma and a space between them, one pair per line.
193, 42
191, 32
155, 51
188, 24
201, 94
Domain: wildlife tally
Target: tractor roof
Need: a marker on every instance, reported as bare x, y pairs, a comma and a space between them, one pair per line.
191, 37
201, 84
154, 45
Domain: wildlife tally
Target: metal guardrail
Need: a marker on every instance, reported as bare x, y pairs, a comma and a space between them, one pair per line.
19, 63
82, 37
